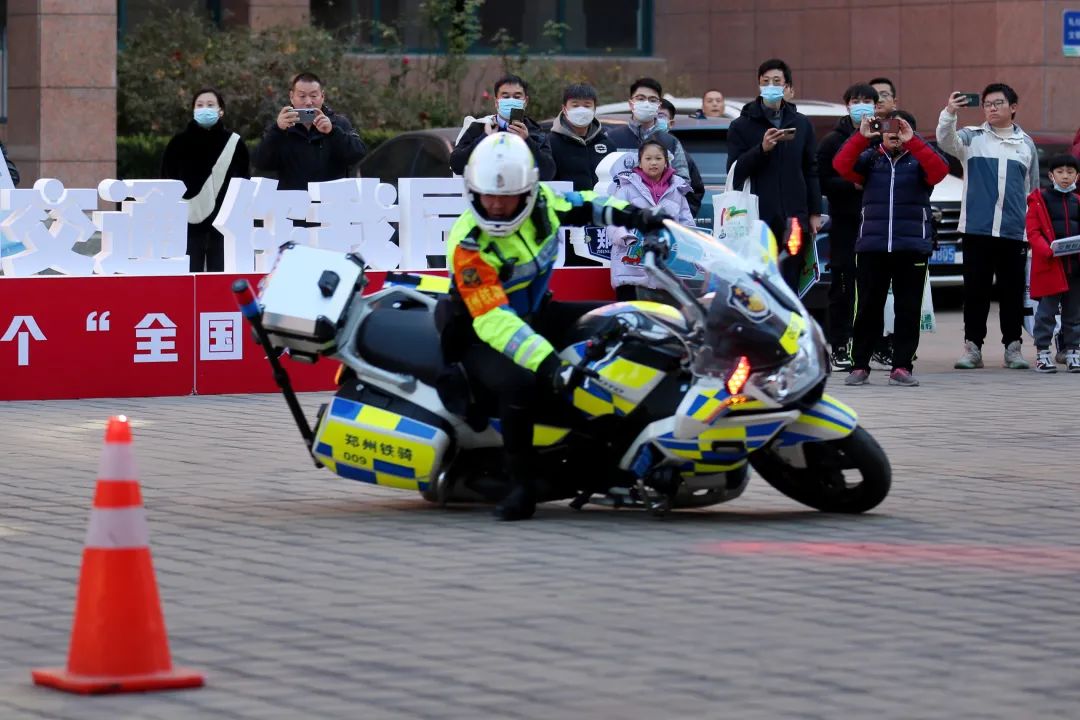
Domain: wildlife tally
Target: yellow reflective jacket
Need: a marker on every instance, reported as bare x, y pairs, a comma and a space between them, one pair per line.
502, 280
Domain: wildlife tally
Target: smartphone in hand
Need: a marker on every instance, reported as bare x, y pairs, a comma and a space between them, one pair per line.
517, 115
973, 99
786, 134
887, 125
890, 125
306, 115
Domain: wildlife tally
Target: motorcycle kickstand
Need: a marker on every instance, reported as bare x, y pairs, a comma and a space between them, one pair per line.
249, 306
659, 508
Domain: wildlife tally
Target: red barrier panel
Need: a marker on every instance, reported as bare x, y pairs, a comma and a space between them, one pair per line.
228, 358
128, 336
76, 337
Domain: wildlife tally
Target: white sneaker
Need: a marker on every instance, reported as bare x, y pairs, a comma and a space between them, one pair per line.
1072, 361
971, 359
1014, 359
1044, 362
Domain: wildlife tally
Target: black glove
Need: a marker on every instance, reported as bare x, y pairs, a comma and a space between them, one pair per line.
649, 220
554, 373
657, 244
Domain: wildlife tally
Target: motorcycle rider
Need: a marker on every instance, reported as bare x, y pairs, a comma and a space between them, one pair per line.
499, 315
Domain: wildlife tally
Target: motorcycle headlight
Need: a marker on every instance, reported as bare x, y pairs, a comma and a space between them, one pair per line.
794, 378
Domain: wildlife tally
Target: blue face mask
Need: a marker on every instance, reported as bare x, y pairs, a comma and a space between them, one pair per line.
1071, 188
206, 116
858, 111
662, 124
508, 104
772, 93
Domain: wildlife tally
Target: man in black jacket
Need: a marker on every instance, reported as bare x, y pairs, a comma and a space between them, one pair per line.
578, 140
302, 151
511, 93
774, 147
845, 207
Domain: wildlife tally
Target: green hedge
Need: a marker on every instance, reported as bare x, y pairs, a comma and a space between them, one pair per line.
139, 156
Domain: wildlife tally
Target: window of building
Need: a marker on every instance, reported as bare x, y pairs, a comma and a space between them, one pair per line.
129, 13
593, 27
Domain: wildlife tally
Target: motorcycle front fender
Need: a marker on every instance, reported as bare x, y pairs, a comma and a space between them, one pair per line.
828, 419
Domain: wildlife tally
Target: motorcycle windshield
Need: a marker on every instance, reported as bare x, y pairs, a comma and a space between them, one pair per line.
750, 311
699, 260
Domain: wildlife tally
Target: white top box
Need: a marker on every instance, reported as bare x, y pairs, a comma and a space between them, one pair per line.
306, 295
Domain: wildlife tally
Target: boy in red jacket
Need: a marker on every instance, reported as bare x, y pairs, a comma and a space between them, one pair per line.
1055, 281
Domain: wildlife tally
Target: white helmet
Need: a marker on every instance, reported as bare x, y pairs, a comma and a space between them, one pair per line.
501, 164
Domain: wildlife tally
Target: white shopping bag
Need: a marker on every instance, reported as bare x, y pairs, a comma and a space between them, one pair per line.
890, 312
734, 211
927, 321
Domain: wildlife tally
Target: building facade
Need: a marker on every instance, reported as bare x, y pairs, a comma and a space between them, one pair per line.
58, 108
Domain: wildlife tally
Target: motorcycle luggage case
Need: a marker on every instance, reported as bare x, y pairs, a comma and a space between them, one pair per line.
360, 441
306, 296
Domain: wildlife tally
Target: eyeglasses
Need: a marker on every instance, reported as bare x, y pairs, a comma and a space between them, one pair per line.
994, 104
642, 98
885, 95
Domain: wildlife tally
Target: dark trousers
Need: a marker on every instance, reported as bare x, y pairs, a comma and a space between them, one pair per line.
512, 390
874, 271
1045, 318
842, 273
984, 258
205, 249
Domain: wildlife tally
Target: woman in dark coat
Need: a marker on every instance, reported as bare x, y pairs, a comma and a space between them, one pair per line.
192, 156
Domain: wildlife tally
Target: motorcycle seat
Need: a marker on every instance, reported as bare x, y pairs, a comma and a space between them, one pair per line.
402, 341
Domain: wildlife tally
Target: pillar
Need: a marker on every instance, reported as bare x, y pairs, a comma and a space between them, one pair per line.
62, 90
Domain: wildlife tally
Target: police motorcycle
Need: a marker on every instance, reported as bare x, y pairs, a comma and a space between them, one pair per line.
665, 410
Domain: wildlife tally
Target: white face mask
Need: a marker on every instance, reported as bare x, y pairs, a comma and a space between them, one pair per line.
580, 116
645, 111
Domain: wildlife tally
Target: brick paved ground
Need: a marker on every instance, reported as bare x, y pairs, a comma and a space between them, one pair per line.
305, 596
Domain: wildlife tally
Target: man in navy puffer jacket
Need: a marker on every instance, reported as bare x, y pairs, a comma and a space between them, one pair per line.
895, 238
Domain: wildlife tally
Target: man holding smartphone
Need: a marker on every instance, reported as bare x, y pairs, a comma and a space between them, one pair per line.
775, 148
308, 142
1001, 168
511, 99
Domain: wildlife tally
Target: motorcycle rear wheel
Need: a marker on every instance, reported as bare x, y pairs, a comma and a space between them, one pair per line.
822, 484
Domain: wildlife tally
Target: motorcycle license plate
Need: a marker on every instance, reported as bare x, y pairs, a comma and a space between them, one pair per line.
944, 255
363, 442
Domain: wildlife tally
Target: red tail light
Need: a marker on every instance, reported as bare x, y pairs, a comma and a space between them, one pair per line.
794, 241
739, 376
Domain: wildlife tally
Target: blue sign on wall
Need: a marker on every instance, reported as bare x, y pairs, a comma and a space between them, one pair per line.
1070, 37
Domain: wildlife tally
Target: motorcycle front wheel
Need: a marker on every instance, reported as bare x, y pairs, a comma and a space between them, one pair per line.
849, 475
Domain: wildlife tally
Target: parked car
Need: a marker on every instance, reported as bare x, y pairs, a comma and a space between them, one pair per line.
418, 153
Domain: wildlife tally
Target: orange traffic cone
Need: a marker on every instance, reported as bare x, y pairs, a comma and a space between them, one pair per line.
118, 641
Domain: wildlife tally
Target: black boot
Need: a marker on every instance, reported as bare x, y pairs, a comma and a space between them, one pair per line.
520, 502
